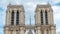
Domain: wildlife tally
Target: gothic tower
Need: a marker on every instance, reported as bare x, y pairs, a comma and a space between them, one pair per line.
15, 20
44, 20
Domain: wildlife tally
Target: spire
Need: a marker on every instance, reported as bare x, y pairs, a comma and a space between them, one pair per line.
30, 20
30, 31
48, 4
9, 4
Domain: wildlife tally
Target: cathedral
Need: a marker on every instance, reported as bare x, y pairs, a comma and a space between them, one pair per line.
15, 20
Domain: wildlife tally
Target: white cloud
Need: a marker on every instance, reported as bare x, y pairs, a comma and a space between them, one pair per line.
58, 30
56, 1
2, 18
56, 11
30, 6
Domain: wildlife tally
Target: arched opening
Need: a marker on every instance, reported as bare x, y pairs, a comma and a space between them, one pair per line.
46, 17
12, 17
17, 18
41, 17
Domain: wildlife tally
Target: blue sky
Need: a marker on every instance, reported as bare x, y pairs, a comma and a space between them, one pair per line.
30, 6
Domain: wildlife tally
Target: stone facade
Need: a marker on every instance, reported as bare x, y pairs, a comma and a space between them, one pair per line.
39, 27
50, 28
21, 27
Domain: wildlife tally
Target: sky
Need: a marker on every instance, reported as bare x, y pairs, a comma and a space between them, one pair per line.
30, 6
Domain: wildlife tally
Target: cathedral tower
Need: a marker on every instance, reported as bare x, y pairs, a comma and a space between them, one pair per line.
44, 20
15, 20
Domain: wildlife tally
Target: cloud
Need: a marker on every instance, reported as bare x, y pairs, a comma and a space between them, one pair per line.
2, 18
56, 11
14, 1
58, 4
56, 1
30, 6
1, 9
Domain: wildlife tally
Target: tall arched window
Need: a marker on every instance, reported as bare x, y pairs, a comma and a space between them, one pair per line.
17, 18
12, 17
41, 17
46, 17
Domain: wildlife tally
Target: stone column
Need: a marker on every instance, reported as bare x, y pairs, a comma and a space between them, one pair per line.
7, 18
49, 32
19, 32
38, 17
36, 21
15, 17
13, 31
19, 17
38, 30
9, 31
53, 30
22, 30
44, 17
10, 17
22, 22
48, 12
51, 17
6, 32
45, 32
